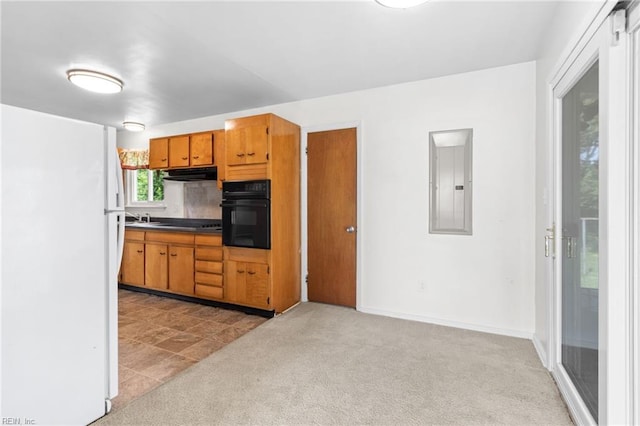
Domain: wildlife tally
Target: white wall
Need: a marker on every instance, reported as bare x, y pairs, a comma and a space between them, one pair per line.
484, 281
571, 20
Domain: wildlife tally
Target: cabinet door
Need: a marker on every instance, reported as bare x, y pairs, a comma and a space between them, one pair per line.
257, 285
179, 151
234, 145
156, 266
247, 283
234, 280
201, 148
256, 143
132, 269
159, 153
181, 274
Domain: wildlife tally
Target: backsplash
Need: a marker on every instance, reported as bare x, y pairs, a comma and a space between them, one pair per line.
202, 200
196, 200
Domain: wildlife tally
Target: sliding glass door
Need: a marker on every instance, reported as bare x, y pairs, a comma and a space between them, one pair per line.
580, 245
592, 228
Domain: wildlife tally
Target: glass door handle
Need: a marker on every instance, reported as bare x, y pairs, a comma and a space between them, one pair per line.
548, 246
572, 246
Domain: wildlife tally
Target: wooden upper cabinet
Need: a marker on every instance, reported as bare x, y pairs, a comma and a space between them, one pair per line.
201, 149
256, 144
159, 153
179, 151
247, 140
192, 150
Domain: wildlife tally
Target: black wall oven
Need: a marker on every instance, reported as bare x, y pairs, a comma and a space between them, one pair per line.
246, 214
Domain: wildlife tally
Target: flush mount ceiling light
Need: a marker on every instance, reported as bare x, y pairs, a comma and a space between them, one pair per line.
400, 4
95, 81
133, 126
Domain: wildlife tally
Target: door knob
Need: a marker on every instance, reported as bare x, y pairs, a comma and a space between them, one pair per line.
350, 229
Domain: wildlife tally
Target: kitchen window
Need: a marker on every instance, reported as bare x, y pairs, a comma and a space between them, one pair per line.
145, 187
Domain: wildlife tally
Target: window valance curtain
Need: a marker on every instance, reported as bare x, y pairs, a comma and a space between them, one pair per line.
134, 159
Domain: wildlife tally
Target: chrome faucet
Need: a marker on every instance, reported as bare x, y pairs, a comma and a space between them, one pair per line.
137, 216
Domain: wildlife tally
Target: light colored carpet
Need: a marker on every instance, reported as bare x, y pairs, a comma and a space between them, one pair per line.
321, 364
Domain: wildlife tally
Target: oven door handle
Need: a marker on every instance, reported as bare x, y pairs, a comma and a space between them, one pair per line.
233, 205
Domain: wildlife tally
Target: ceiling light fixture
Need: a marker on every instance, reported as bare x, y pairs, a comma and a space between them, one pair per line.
95, 81
133, 126
400, 4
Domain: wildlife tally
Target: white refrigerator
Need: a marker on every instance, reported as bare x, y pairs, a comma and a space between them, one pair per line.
61, 233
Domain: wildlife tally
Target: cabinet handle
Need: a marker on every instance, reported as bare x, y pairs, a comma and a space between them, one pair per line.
173, 254
251, 272
240, 272
162, 253
140, 251
195, 157
185, 158
251, 154
240, 154
164, 159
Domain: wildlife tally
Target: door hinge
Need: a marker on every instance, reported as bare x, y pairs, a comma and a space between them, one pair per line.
306, 279
306, 150
618, 25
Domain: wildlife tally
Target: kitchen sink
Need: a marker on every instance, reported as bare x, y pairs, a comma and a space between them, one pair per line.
147, 224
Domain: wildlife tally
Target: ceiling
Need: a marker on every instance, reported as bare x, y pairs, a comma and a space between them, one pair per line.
184, 60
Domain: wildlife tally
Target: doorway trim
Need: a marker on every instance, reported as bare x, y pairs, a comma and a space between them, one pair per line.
634, 31
304, 259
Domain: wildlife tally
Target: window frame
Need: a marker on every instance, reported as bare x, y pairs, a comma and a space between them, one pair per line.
130, 179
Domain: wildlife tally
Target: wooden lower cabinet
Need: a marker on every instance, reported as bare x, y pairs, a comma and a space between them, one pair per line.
247, 283
132, 270
208, 267
198, 265
181, 270
156, 271
247, 277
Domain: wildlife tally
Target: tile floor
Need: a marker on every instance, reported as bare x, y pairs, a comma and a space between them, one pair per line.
159, 337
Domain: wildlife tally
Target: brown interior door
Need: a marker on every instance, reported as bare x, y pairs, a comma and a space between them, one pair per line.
331, 206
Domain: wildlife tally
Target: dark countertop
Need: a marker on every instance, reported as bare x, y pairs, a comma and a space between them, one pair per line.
168, 224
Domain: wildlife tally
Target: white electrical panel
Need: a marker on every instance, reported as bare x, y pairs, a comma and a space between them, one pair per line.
450, 181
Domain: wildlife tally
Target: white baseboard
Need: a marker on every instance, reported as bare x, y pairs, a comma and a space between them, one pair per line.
466, 326
542, 354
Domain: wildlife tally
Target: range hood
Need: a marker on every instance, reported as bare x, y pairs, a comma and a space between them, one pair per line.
190, 175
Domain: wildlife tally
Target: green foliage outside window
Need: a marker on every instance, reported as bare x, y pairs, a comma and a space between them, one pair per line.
142, 185
588, 133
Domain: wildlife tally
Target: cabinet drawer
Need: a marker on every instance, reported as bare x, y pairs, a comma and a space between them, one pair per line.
208, 291
210, 279
209, 240
134, 235
169, 237
208, 253
209, 266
